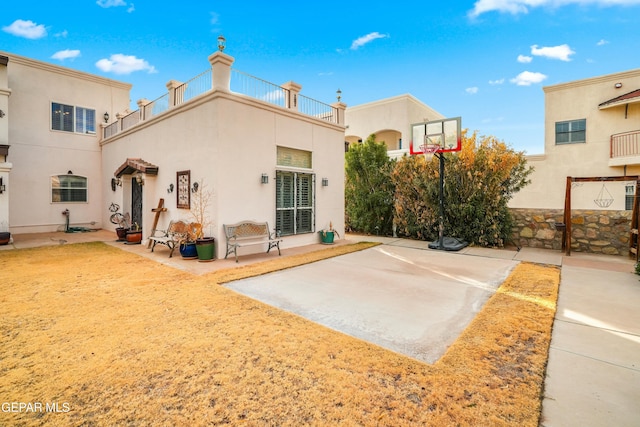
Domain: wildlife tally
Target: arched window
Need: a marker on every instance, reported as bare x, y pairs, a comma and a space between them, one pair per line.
68, 188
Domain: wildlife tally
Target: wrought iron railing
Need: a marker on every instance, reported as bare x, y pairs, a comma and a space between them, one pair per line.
257, 88
625, 144
241, 83
194, 87
317, 109
130, 119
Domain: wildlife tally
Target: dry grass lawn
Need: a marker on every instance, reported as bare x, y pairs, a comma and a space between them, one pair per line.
117, 339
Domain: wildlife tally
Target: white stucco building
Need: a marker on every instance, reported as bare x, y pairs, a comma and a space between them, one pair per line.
276, 158
592, 129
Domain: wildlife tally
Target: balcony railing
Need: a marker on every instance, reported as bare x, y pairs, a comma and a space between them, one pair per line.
625, 144
254, 87
241, 83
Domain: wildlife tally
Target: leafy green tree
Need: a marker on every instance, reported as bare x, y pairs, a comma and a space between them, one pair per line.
479, 182
368, 188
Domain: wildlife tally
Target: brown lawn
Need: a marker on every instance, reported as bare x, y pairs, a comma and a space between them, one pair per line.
116, 339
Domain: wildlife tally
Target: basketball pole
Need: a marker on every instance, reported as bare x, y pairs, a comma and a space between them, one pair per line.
441, 216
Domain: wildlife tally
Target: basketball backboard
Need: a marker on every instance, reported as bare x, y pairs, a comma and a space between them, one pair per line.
437, 136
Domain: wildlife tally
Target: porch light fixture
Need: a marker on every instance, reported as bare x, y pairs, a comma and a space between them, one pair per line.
264, 178
222, 43
339, 95
325, 182
106, 117
139, 180
3, 187
194, 187
617, 86
170, 189
1, 114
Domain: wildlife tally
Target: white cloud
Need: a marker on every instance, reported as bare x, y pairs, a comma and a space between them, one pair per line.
124, 64
515, 7
66, 54
496, 82
561, 52
131, 8
215, 18
111, 3
361, 41
471, 90
602, 42
524, 59
62, 34
26, 29
527, 78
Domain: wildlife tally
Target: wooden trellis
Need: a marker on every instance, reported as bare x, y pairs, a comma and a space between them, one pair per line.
566, 234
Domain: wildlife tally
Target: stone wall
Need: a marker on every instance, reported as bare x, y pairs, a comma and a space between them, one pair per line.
592, 231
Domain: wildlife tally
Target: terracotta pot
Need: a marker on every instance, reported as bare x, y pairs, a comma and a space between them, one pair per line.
134, 237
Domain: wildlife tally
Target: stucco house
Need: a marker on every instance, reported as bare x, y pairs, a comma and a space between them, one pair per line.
74, 144
390, 120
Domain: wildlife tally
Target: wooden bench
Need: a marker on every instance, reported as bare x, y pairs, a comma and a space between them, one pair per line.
176, 233
248, 233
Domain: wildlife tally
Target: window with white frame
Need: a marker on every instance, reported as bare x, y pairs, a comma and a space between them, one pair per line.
629, 194
295, 202
571, 132
69, 118
68, 188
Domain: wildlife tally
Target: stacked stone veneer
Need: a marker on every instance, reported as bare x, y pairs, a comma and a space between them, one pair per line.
594, 231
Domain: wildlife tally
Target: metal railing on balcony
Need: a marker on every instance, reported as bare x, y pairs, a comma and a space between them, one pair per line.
255, 87
317, 109
130, 119
241, 83
194, 87
625, 144
157, 106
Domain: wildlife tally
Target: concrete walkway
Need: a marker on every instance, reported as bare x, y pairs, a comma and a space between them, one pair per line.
593, 372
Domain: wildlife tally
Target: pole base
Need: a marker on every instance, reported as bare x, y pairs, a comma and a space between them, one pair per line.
449, 244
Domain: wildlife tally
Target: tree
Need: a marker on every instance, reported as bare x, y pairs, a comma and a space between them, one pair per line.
479, 182
368, 188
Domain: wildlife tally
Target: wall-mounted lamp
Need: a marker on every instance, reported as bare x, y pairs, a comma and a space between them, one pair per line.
339, 95
325, 182
119, 182
618, 85
170, 189
222, 43
264, 178
106, 117
1, 114
3, 187
139, 179
69, 172
194, 187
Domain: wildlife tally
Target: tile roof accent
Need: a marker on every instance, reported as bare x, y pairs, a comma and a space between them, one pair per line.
633, 95
136, 165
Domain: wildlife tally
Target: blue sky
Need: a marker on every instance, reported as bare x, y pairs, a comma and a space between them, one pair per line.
484, 60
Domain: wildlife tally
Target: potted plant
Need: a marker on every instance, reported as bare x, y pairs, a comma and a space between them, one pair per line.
5, 235
122, 222
134, 235
205, 245
327, 235
187, 243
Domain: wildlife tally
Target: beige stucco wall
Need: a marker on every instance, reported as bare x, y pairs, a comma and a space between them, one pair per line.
37, 152
229, 141
390, 119
580, 100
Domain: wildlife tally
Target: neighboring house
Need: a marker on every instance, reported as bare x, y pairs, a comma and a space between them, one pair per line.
276, 157
389, 120
592, 129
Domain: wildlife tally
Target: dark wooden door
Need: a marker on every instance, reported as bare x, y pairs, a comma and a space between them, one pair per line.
136, 203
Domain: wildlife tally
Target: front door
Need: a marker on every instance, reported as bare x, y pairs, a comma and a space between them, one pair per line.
136, 203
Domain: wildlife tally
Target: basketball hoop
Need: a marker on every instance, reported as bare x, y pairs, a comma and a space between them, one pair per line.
428, 150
